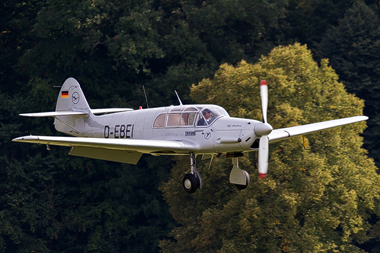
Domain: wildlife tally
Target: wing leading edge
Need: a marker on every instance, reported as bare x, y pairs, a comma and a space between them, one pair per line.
282, 133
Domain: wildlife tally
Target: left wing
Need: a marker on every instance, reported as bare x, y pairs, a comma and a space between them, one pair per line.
282, 133
118, 150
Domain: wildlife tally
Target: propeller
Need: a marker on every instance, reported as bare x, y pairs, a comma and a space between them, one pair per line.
262, 130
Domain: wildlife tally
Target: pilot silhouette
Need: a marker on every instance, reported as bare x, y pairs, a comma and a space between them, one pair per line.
204, 121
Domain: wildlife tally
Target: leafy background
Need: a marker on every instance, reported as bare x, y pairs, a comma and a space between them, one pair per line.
324, 198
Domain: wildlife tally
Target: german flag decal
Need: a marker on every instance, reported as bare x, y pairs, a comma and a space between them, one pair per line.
65, 94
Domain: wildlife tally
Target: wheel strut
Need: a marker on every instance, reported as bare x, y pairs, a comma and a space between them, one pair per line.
194, 171
191, 182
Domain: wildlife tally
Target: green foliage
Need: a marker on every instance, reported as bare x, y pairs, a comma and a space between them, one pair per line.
113, 48
353, 48
312, 200
52, 202
163, 45
307, 21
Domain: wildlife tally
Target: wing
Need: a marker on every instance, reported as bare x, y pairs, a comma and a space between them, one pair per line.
117, 150
282, 133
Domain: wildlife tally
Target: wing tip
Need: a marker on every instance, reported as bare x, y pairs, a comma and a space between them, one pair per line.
24, 138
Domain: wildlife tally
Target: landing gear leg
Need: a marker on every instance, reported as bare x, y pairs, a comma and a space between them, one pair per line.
237, 176
192, 181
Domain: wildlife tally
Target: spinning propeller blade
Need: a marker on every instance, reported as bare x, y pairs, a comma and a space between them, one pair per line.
263, 156
264, 99
262, 130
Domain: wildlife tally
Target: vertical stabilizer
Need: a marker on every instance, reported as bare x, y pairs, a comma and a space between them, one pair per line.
71, 98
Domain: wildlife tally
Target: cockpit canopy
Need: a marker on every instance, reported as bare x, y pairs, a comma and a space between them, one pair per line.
202, 115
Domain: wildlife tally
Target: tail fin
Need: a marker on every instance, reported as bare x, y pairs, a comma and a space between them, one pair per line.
72, 113
72, 99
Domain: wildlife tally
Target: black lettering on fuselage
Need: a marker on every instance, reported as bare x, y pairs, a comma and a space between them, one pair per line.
106, 131
116, 131
120, 131
129, 132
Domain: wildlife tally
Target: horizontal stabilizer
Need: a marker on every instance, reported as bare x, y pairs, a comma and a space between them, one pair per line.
74, 113
282, 133
110, 110
53, 114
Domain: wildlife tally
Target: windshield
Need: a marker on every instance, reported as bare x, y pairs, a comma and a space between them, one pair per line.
216, 110
199, 115
209, 114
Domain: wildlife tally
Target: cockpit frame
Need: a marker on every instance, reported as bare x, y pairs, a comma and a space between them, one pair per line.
189, 116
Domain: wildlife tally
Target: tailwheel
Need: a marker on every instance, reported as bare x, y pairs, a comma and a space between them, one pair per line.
190, 183
240, 186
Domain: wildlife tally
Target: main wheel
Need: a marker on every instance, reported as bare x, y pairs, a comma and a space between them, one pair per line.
242, 187
190, 183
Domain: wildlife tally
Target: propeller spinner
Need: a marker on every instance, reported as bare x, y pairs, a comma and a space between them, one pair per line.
262, 130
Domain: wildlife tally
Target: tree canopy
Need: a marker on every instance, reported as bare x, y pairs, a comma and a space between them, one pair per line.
52, 202
353, 48
313, 200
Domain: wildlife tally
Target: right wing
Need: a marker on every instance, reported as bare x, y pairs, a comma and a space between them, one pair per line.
143, 146
282, 133
117, 150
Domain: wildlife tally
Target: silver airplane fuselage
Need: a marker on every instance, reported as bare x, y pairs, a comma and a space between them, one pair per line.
220, 134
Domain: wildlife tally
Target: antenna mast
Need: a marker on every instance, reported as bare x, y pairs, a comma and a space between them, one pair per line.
180, 102
146, 98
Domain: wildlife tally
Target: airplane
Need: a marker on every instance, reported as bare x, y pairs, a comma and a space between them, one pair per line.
123, 134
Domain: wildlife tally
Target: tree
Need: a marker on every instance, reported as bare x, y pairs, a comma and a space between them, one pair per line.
353, 48
307, 21
312, 200
52, 202
113, 48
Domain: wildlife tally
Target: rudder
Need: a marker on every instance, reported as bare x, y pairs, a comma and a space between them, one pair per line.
71, 98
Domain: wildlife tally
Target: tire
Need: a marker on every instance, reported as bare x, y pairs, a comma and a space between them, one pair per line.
242, 187
190, 183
